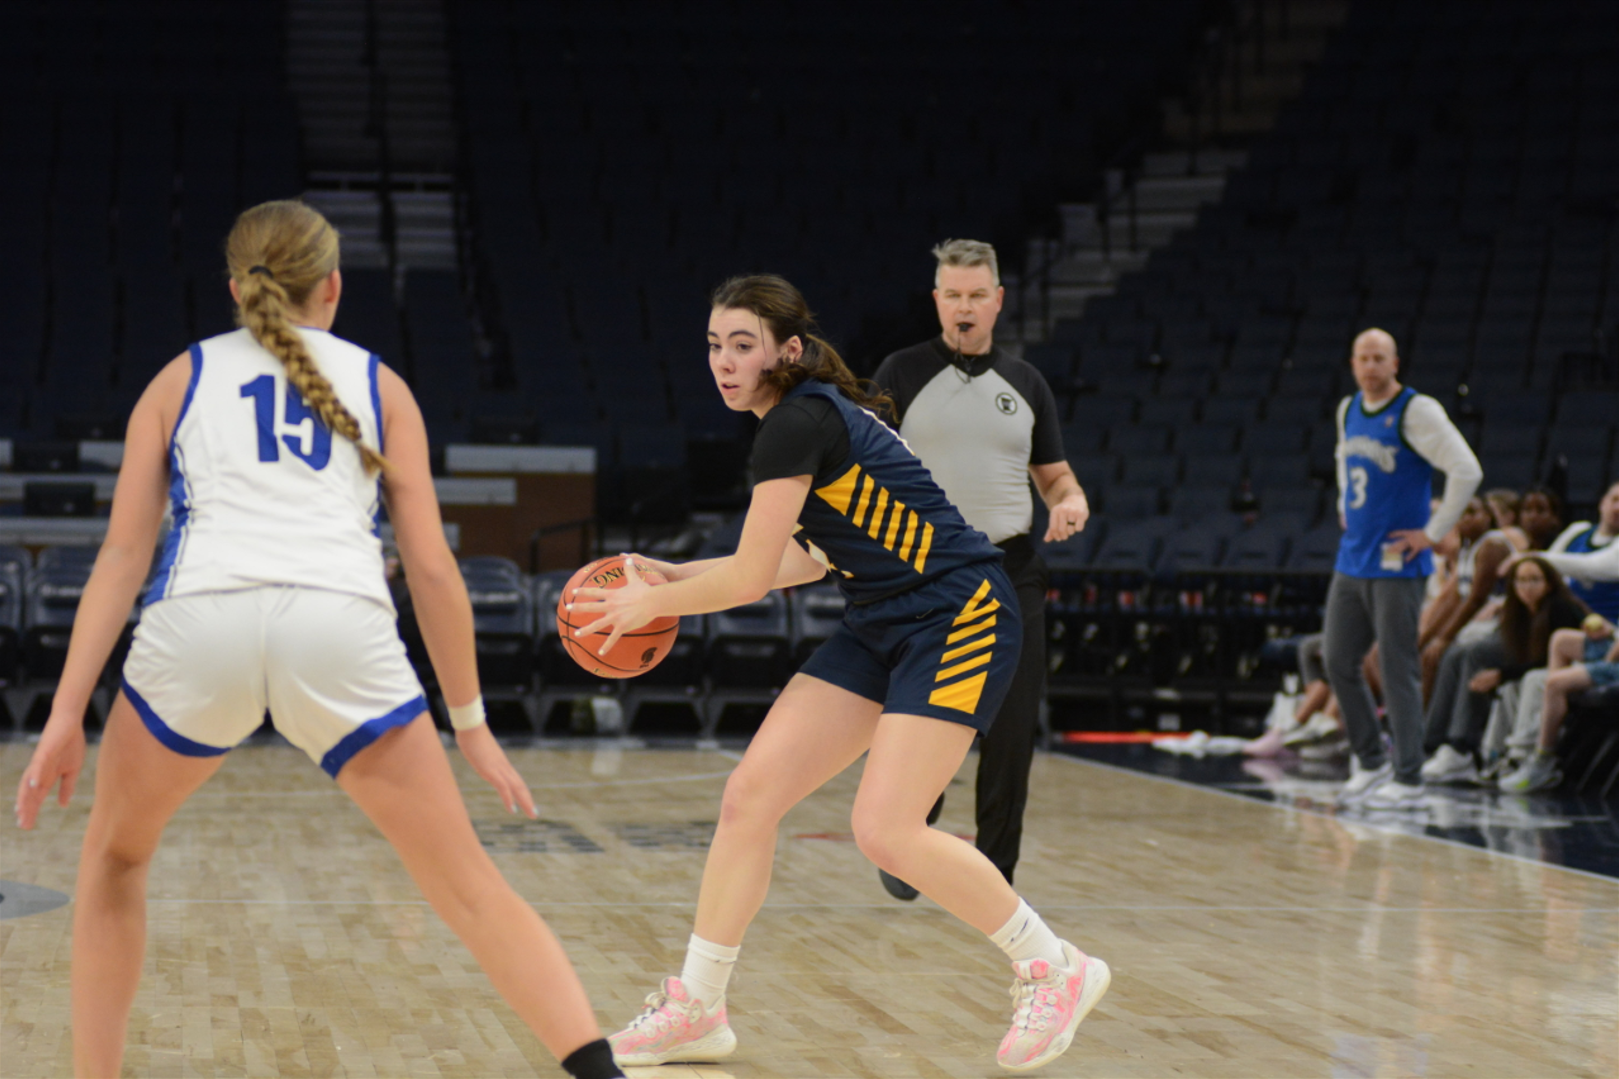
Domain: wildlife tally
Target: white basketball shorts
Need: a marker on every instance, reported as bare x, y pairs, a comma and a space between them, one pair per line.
328, 666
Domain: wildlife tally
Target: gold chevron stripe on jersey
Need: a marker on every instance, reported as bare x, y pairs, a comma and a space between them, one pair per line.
974, 650
840, 491
869, 507
976, 607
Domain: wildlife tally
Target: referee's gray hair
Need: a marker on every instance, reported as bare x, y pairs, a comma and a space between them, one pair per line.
966, 253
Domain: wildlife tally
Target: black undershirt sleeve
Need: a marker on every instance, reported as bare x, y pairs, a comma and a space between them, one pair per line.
805, 436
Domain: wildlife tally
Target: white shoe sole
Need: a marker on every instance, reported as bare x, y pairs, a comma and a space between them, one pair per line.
1097, 978
710, 1047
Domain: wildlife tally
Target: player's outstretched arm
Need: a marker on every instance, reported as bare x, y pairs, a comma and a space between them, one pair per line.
729, 582
121, 568
436, 588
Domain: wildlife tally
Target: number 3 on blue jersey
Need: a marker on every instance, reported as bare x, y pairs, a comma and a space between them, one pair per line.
1357, 484
295, 415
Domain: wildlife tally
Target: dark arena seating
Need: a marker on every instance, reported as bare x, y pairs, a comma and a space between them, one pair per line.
1448, 171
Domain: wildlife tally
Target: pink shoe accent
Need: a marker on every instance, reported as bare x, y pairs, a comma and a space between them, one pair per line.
673, 1027
1048, 1004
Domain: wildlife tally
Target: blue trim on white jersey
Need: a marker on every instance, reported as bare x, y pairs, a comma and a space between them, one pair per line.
376, 399
376, 411
179, 494
369, 732
164, 733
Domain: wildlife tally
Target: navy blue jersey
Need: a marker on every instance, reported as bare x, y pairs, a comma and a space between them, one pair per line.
882, 525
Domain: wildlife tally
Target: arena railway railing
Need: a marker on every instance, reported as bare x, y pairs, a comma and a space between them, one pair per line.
1122, 635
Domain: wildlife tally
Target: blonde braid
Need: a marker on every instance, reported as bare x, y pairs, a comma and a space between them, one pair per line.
278, 252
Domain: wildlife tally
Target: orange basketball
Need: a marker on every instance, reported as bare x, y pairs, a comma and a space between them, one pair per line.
639, 650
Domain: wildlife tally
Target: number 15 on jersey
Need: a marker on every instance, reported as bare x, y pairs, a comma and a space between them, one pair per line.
302, 432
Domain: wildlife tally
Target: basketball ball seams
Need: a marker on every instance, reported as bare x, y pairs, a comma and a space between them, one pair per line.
644, 647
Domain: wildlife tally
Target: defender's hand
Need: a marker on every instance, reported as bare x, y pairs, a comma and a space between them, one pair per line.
58, 758
479, 747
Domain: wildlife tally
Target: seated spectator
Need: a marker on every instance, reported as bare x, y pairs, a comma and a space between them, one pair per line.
1464, 613
1586, 553
1540, 772
1504, 504
1540, 515
1514, 729
1538, 604
1316, 699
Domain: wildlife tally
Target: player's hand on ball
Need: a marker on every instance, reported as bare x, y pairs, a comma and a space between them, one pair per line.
622, 609
671, 571
1596, 627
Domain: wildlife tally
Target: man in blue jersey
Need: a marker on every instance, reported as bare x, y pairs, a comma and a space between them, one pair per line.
1391, 440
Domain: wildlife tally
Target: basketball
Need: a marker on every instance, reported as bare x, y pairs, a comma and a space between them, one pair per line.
637, 651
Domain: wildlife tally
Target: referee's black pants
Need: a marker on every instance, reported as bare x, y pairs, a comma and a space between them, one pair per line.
1006, 751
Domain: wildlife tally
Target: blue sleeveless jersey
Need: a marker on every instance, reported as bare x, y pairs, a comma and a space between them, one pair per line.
883, 526
1601, 596
1388, 486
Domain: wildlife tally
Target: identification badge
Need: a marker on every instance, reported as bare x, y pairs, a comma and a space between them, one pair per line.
1393, 558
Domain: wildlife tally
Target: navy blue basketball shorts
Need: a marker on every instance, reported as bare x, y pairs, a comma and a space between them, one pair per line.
946, 650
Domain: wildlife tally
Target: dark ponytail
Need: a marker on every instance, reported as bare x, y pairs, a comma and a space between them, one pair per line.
781, 307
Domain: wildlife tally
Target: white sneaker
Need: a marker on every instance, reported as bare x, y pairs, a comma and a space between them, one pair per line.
1394, 795
1328, 749
1047, 1005
1538, 773
674, 1027
1313, 729
1363, 780
1448, 765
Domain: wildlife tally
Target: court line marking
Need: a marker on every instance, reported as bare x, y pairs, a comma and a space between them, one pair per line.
1125, 907
338, 792
1361, 822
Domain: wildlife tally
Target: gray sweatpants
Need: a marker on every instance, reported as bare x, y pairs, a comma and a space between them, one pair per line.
1384, 610
1457, 715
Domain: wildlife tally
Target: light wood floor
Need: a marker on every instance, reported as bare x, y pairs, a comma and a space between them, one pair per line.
1245, 939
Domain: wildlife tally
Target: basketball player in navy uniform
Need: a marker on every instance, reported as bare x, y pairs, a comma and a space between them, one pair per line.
984, 424
1391, 440
917, 669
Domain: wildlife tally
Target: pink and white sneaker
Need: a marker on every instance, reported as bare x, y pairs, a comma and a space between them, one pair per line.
1047, 1004
674, 1027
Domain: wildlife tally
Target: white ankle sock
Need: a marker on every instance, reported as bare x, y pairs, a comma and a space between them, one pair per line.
708, 968
1026, 936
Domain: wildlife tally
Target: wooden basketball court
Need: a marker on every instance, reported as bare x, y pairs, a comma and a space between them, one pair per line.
1246, 939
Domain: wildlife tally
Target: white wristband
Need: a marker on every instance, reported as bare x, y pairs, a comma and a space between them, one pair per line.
469, 715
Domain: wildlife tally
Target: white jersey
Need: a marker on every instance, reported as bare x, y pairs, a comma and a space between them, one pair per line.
262, 492
1467, 557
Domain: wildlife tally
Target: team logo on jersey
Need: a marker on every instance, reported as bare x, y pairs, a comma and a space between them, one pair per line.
1379, 453
1006, 403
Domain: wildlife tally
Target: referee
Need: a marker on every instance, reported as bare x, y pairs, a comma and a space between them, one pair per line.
983, 423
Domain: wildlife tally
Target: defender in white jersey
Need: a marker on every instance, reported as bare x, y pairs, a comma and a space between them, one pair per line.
269, 595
